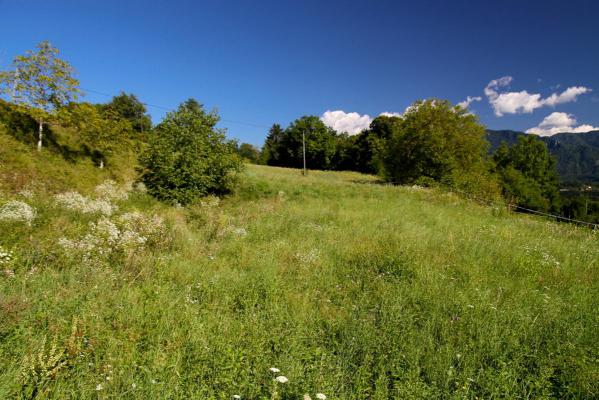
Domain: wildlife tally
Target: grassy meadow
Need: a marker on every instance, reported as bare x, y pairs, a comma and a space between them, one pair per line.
352, 289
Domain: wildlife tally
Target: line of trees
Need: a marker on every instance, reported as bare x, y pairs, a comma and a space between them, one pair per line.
186, 156
433, 142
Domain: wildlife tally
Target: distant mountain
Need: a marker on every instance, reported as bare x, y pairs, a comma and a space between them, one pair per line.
577, 153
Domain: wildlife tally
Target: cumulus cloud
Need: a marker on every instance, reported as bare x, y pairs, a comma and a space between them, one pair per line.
524, 102
469, 100
352, 123
391, 114
558, 122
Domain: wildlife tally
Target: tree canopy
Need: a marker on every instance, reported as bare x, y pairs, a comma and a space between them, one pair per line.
528, 174
434, 140
130, 108
188, 157
41, 82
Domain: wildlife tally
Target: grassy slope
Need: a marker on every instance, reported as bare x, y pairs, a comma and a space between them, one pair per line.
351, 288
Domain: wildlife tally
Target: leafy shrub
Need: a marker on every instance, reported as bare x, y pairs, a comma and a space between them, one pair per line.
187, 157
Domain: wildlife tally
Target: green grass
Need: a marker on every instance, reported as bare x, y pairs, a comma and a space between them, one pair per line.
353, 289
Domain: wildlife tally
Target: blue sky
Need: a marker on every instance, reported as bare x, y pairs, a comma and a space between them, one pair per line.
262, 62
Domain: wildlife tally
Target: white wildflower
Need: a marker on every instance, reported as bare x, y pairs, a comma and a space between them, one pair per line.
6, 256
274, 370
99, 386
236, 396
28, 194
470, 306
109, 190
133, 385
321, 396
17, 211
77, 202
307, 397
281, 379
153, 381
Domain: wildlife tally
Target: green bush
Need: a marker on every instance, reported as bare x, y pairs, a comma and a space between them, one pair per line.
187, 157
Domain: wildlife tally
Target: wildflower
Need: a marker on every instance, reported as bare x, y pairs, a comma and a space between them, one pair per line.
153, 381
99, 386
307, 397
470, 306
17, 211
281, 379
28, 194
110, 191
274, 370
77, 202
321, 396
133, 385
236, 396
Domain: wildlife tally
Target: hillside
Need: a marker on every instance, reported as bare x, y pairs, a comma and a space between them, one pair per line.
351, 288
577, 154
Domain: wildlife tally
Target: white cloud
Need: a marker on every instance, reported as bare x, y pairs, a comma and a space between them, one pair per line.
352, 123
558, 122
469, 100
524, 102
391, 114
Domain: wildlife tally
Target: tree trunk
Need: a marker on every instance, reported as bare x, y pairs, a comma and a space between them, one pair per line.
40, 135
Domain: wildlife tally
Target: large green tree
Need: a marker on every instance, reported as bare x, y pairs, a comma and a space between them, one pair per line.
528, 174
188, 157
435, 141
42, 83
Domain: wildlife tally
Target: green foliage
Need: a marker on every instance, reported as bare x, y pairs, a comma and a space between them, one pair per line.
100, 131
434, 140
249, 152
528, 174
41, 82
272, 149
284, 148
128, 107
187, 157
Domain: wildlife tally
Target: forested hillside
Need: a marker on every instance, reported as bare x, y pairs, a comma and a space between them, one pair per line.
577, 154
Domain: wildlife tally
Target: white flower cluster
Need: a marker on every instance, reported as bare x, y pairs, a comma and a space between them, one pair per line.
77, 202
109, 190
6, 257
28, 194
15, 210
125, 233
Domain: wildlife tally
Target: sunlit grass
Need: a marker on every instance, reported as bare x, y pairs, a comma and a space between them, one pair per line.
350, 288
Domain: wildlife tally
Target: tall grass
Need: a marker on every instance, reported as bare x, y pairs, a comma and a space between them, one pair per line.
352, 289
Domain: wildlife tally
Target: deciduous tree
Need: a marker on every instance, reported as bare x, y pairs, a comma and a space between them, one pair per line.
42, 83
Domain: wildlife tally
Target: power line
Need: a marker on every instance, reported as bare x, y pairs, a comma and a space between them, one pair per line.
230, 121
